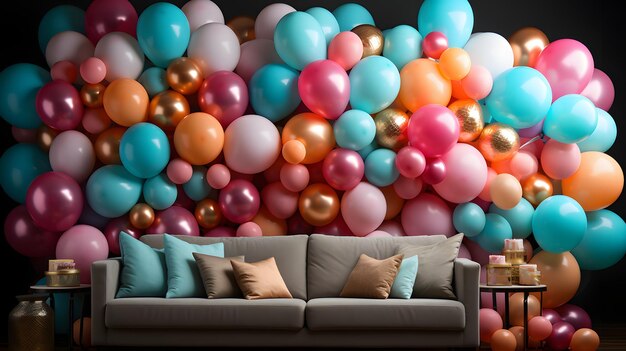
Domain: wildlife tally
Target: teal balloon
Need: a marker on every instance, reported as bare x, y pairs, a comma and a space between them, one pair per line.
112, 191
62, 309
274, 91
354, 130
604, 243
144, 150
486, 114
154, 80
454, 18
380, 167
60, 19
402, 45
19, 85
469, 219
197, 187
351, 15
374, 84
520, 97
364, 152
571, 119
496, 230
163, 33
519, 217
299, 40
325, 18
559, 224
603, 137
19, 166
159, 192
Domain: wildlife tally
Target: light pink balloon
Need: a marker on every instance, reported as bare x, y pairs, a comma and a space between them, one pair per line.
281, 202
218, 176
249, 229
392, 227
251, 144
93, 70
268, 18
408, 188
378, 234
485, 194
294, 177
363, 208
466, 174
214, 47
600, 90
346, 49
179, 171
560, 160
70, 46
254, 55
410, 162
464, 252
324, 87
343, 169
95, 120
427, 214
478, 83
199, 12
85, 244
523, 164
72, 153
220, 232
433, 129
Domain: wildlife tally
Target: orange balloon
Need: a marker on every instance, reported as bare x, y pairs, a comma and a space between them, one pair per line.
457, 90
199, 138
505, 191
184, 75
208, 213
518, 332
92, 94
294, 151
585, 339
516, 308
141, 216
167, 109
503, 340
597, 183
107, 145
455, 63
270, 224
394, 202
314, 132
537, 188
86, 339
126, 102
422, 84
319, 204
561, 273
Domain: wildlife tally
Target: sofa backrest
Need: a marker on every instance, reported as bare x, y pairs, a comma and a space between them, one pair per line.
289, 251
330, 259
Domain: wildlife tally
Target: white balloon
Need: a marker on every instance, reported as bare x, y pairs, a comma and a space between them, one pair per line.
254, 55
491, 51
121, 54
68, 46
251, 144
200, 12
267, 19
71, 152
215, 47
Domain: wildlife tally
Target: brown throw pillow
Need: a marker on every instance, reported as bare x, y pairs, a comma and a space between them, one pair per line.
217, 275
372, 278
260, 280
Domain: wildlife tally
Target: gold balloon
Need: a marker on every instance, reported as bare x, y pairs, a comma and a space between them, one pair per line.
208, 213
184, 75
141, 216
391, 125
107, 145
314, 132
243, 27
45, 136
498, 142
318, 204
537, 188
470, 117
527, 43
372, 39
92, 94
167, 109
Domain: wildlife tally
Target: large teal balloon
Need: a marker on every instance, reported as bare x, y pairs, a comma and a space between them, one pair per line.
519, 217
496, 230
299, 40
374, 84
19, 85
112, 191
604, 243
559, 224
603, 137
197, 187
351, 15
60, 19
274, 91
520, 97
325, 18
380, 167
571, 119
469, 219
354, 130
159, 192
163, 33
454, 18
19, 166
402, 45
144, 150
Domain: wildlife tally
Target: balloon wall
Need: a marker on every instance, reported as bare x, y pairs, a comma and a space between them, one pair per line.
174, 120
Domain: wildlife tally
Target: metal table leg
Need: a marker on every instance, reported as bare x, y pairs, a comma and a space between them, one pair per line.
70, 320
506, 311
525, 321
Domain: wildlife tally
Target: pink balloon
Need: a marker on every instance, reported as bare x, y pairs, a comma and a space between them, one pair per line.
64, 70
239, 201
539, 328
490, 321
343, 169
113, 229
251, 144
567, 64
297, 225
562, 333
378, 234
281, 202
427, 214
54, 201
249, 229
220, 232
485, 194
433, 129
95, 120
466, 174
25, 237
72, 153
346, 49
294, 177
363, 208
256, 54
85, 244
410, 162
408, 188
600, 90
174, 220
434, 44
337, 227
93, 70
523, 164
324, 87
478, 83
464, 252
393, 227
560, 160
106, 16
223, 95
218, 176
435, 171
179, 171
59, 106
22, 135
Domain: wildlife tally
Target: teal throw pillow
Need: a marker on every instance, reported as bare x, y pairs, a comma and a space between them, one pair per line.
143, 270
183, 276
402, 287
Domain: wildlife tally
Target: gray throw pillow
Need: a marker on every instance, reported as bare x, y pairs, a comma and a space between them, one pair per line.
436, 267
217, 275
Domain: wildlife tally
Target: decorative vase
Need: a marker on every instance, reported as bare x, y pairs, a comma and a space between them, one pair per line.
31, 324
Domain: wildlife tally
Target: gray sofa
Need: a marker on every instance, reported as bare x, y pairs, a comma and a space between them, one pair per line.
315, 269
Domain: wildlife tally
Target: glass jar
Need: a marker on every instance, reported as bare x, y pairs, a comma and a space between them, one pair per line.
31, 324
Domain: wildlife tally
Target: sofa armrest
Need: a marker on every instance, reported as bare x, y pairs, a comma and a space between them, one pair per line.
466, 286
104, 285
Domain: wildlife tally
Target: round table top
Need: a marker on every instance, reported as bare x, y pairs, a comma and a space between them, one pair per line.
513, 288
81, 287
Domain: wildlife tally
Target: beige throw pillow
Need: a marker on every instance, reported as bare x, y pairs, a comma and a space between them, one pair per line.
372, 278
260, 280
217, 275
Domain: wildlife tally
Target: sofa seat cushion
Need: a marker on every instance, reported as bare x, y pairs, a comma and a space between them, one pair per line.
202, 313
377, 314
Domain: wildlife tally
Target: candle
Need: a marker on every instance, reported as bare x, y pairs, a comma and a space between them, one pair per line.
496, 259
513, 244
528, 274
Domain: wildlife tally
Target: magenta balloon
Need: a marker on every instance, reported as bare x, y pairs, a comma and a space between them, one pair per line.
59, 106
567, 64
484, 205
466, 174
239, 201
281, 202
324, 87
561, 336
54, 201
25, 237
435, 171
410, 162
433, 129
85, 244
363, 208
223, 95
574, 315
343, 169
427, 214
600, 90
297, 225
113, 229
531, 131
106, 16
220, 232
551, 315
337, 227
174, 220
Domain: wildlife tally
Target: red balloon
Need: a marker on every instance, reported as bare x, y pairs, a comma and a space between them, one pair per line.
106, 16
59, 105
561, 336
324, 87
297, 225
113, 229
26, 238
435, 171
223, 95
434, 44
343, 169
239, 201
54, 201
174, 220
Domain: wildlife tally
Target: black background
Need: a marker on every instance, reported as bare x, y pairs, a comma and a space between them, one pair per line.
597, 24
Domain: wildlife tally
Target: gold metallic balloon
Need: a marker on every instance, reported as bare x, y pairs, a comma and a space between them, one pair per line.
184, 75
92, 94
107, 145
498, 142
318, 204
208, 213
314, 132
141, 216
243, 27
527, 43
537, 188
167, 109
470, 117
372, 39
45, 136
391, 125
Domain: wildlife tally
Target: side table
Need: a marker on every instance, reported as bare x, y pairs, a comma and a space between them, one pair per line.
506, 289
82, 290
